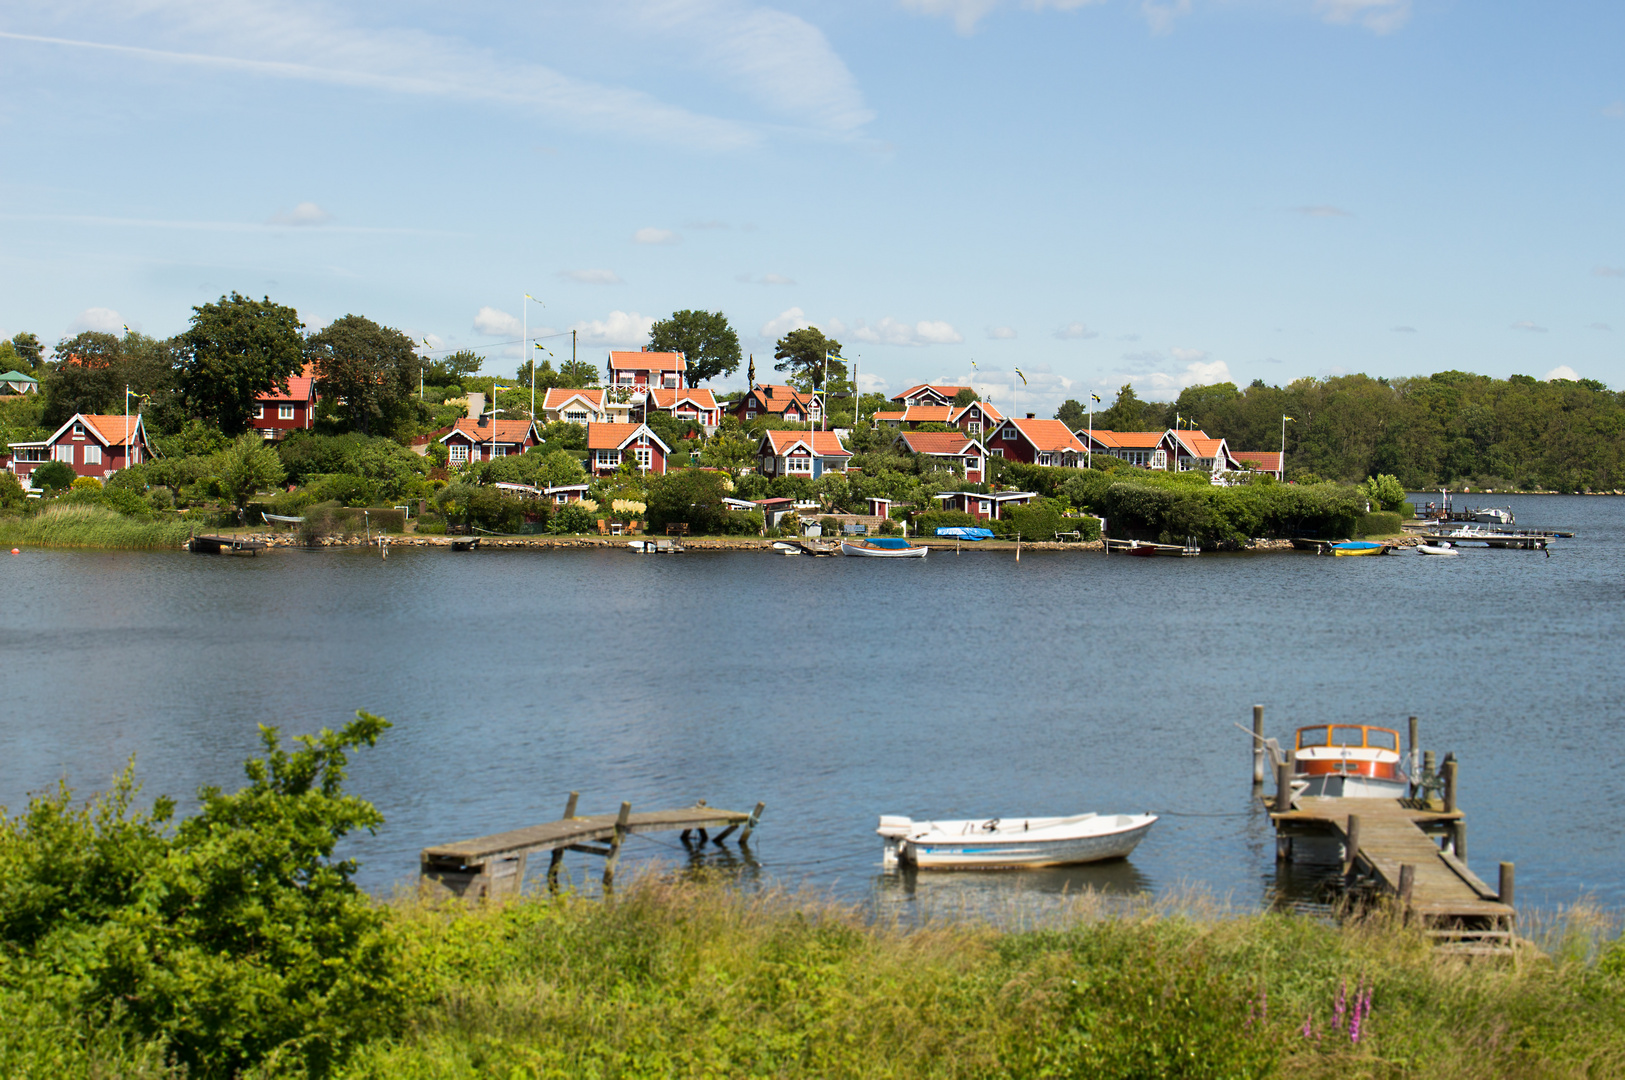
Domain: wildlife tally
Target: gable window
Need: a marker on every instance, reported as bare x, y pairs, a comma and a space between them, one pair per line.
284, 412
458, 453
78, 430
974, 427
93, 455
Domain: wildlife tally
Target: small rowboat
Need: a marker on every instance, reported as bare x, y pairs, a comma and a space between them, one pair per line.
1359, 547
1441, 548
1003, 844
882, 548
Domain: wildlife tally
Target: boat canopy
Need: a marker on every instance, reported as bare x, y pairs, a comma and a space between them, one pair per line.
892, 543
1350, 735
965, 532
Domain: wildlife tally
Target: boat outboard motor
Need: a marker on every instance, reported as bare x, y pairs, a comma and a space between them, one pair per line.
894, 829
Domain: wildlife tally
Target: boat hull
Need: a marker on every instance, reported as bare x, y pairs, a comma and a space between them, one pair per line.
1089, 838
1359, 547
863, 551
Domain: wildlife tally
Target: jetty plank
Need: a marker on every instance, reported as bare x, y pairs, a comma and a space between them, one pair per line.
578, 830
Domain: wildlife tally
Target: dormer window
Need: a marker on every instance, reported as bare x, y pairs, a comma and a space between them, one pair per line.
78, 430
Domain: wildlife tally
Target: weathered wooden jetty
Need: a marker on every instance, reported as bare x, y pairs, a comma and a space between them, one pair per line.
1411, 849
494, 866
227, 545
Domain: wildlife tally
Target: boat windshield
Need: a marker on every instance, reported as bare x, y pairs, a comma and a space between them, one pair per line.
1311, 736
1382, 739
1348, 736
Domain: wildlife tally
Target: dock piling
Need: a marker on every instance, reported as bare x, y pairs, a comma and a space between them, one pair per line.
1258, 746
750, 823
614, 855
1351, 846
1506, 889
557, 856
1407, 884
1450, 783
1283, 787
1414, 755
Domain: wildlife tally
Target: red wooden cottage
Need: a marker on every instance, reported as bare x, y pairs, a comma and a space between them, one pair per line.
773, 399
95, 445
1036, 442
610, 444
801, 453
472, 440
698, 406
959, 450
984, 505
928, 394
642, 369
280, 413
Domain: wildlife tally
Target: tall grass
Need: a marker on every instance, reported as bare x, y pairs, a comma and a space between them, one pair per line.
90, 527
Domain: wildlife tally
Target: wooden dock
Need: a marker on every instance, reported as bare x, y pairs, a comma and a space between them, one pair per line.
492, 866
228, 545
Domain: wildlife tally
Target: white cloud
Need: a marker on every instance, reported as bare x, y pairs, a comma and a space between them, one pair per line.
870, 383
967, 13
306, 213
316, 42
655, 236
1162, 14
786, 321
765, 279
1001, 333
592, 277
888, 331
1528, 327
1075, 331
1608, 271
619, 328
1615, 110
1180, 368
1378, 16
99, 319
1322, 211
1562, 371
494, 322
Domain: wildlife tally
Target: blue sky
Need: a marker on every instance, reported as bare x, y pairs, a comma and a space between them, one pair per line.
1162, 192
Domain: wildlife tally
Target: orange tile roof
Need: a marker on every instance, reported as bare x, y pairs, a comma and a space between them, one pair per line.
928, 414
609, 436
988, 411
942, 443
558, 395
647, 361
823, 443
889, 416
668, 398
1051, 436
111, 428
298, 389
1129, 440
947, 390
507, 431
1266, 460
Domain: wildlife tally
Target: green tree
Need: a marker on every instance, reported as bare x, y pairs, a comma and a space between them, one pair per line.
1129, 413
371, 369
234, 351
803, 353
247, 466
704, 337
575, 374
11, 491
53, 476
83, 377
690, 495
560, 467
1384, 491
728, 449
1072, 414
28, 350
452, 370
965, 396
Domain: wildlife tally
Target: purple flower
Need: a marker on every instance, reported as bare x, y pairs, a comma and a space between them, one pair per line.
1337, 1011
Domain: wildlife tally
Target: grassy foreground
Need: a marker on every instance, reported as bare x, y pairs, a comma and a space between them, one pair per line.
678, 977
89, 527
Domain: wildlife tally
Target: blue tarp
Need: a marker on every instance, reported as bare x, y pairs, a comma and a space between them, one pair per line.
895, 544
965, 532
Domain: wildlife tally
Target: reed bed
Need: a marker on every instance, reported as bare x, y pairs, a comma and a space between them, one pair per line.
90, 527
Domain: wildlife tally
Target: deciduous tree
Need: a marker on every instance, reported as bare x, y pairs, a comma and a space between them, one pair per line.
704, 337
372, 370
235, 350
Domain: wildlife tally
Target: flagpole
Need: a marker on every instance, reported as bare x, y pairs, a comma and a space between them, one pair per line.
1090, 449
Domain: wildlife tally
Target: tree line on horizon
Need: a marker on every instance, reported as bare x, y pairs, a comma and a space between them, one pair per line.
1428, 430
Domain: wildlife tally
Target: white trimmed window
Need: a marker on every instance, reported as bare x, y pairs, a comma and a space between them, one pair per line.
1009, 434
1044, 459
607, 459
672, 381
974, 427
973, 463
996, 452
459, 453
625, 378
499, 450
93, 455
259, 412
64, 452
798, 463
284, 412
78, 430
576, 417
645, 456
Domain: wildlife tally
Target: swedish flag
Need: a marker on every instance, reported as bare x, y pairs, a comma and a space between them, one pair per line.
1095, 398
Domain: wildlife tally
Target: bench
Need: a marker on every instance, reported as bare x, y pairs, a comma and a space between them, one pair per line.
677, 528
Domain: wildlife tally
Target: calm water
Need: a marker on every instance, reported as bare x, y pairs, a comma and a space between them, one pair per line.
838, 689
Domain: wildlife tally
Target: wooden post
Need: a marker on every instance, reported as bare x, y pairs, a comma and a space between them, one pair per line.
1415, 761
1506, 891
1407, 882
1283, 787
1018, 547
1258, 746
1351, 845
615, 845
558, 853
755, 815
1458, 839
1450, 784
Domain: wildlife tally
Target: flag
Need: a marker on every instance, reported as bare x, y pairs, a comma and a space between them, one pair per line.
1095, 398
1023, 377
1286, 418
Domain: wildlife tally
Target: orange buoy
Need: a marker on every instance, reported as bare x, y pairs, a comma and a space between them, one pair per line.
15, 551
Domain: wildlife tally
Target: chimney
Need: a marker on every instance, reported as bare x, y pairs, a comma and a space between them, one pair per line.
476, 406
1032, 416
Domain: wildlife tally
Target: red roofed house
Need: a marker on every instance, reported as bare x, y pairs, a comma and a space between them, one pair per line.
94, 445
281, 413
472, 440
983, 505
1194, 450
801, 453
610, 444
697, 405
1264, 461
914, 415
591, 405
773, 399
960, 450
929, 394
647, 369
1147, 449
1036, 442
976, 418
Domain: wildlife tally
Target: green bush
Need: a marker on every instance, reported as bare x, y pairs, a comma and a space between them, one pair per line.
236, 937
928, 523
1378, 523
53, 476
572, 518
743, 523
693, 496
12, 496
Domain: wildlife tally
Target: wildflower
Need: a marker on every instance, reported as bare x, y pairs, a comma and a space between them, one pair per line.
1338, 1009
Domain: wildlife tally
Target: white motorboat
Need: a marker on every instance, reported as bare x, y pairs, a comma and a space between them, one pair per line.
1443, 547
1010, 843
883, 548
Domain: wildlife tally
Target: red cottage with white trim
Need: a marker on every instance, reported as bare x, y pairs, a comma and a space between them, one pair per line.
95, 445
610, 444
281, 413
472, 440
1036, 442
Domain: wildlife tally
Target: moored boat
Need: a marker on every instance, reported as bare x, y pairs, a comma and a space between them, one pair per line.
1349, 761
1359, 547
1441, 548
1011, 843
882, 547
